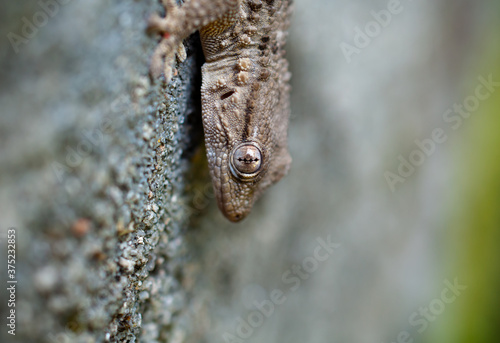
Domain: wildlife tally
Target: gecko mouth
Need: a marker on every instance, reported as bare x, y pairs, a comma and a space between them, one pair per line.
245, 161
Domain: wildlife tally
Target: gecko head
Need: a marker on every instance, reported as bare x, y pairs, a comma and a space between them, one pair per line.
244, 174
245, 121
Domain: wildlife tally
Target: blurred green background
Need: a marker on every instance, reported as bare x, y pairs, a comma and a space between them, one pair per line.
473, 220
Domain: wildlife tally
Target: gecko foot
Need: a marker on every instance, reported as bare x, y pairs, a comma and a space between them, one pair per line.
170, 45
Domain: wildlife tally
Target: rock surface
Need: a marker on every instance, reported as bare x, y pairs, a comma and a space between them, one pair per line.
94, 161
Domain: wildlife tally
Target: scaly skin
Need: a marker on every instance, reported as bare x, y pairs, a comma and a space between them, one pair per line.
245, 91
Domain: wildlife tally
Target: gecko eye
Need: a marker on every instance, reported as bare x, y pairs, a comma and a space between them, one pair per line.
246, 161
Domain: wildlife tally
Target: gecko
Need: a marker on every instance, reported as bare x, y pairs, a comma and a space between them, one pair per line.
244, 93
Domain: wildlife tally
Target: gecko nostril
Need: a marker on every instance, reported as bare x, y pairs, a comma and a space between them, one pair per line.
227, 95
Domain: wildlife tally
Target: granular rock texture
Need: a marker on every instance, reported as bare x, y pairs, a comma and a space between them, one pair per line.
94, 158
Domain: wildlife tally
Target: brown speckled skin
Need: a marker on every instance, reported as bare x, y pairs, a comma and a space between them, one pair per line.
245, 90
